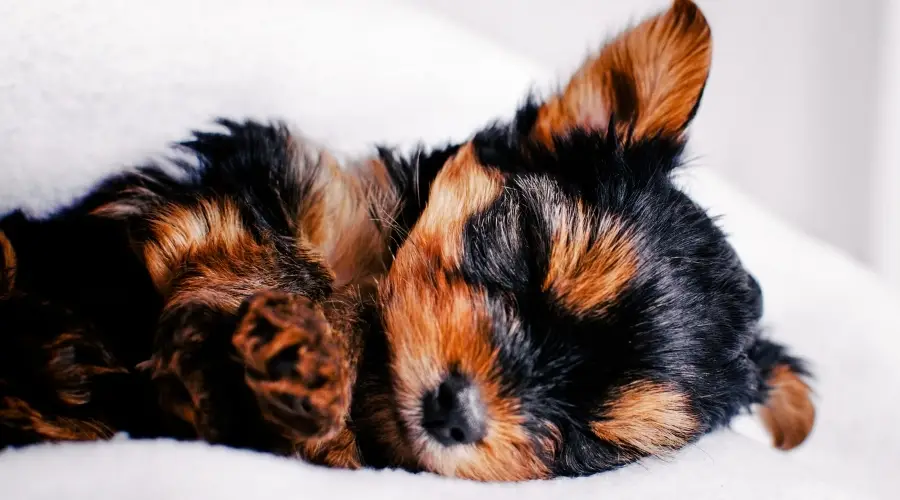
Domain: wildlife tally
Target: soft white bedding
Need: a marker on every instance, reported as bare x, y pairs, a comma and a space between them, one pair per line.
88, 85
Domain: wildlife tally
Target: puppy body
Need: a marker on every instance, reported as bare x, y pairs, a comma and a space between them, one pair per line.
538, 301
151, 285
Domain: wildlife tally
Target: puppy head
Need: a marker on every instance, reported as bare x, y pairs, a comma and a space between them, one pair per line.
559, 308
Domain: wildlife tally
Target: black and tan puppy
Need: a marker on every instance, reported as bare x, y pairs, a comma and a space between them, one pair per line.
540, 301
560, 307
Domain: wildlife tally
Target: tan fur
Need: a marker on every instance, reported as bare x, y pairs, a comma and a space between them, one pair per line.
586, 275
461, 189
210, 232
650, 77
435, 321
341, 451
73, 378
647, 418
17, 411
788, 413
348, 216
451, 328
7, 266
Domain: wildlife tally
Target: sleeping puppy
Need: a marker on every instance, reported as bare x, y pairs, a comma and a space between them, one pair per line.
539, 301
560, 307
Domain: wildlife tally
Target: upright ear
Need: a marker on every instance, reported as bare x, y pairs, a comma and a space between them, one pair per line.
646, 82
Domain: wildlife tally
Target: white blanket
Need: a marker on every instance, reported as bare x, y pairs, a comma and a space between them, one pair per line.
89, 85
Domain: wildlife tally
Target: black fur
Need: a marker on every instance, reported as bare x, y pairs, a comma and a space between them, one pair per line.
412, 176
78, 271
690, 317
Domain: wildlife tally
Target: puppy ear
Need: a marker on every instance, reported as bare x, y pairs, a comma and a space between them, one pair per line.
646, 82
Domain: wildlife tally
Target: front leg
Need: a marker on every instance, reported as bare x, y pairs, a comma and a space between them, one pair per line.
206, 259
200, 380
246, 367
265, 211
271, 376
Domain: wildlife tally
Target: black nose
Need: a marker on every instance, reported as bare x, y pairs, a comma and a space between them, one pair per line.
454, 413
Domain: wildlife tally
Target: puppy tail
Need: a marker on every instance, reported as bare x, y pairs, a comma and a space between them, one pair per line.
787, 410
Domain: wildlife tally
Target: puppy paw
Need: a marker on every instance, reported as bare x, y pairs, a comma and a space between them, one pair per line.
293, 365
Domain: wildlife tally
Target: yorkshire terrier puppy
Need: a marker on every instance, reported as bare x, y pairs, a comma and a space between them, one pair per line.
539, 301
560, 307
